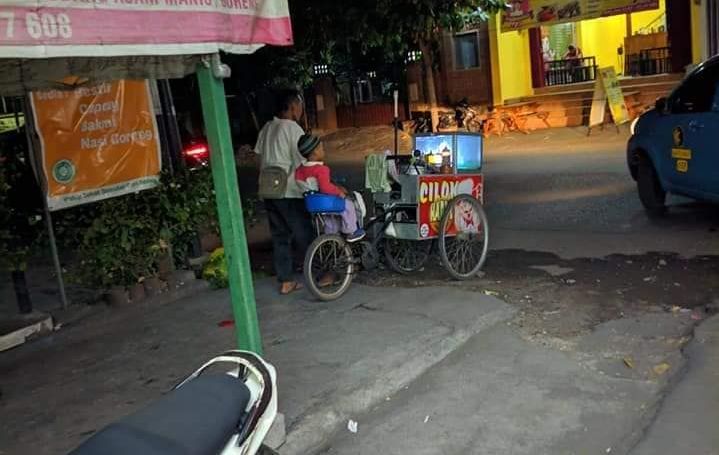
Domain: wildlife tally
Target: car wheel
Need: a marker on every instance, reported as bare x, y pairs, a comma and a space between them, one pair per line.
651, 193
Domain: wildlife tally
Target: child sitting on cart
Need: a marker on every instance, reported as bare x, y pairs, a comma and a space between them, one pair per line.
314, 175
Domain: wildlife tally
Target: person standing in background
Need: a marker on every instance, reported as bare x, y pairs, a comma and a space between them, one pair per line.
289, 220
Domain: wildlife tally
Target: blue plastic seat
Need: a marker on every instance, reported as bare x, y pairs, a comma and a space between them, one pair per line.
324, 203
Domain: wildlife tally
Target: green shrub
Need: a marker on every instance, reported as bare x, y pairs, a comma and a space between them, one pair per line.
128, 234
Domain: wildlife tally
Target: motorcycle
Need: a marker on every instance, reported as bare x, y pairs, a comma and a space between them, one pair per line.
467, 118
216, 413
464, 117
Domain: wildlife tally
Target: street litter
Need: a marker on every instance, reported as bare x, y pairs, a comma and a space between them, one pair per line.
426, 419
629, 362
661, 368
662, 262
570, 281
491, 293
678, 309
650, 279
352, 426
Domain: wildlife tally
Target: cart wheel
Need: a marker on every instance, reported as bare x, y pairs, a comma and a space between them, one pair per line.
406, 256
329, 266
463, 237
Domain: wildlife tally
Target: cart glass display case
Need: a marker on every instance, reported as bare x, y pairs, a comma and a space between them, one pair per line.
442, 167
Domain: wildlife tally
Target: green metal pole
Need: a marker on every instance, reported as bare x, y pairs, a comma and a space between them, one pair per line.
229, 209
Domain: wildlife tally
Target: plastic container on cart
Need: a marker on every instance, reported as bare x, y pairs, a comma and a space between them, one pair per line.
324, 203
469, 152
463, 148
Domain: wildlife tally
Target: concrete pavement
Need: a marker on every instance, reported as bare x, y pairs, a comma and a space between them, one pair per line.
499, 394
341, 359
688, 421
335, 361
423, 370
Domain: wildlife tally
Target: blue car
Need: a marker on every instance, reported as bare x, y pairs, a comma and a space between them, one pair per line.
674, 147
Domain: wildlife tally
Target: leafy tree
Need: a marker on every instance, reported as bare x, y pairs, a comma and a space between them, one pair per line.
335, 32
399, 25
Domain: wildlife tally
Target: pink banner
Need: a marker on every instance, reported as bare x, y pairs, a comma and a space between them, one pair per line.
60, 28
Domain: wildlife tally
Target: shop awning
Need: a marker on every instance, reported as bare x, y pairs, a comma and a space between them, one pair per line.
523, 14
42, 41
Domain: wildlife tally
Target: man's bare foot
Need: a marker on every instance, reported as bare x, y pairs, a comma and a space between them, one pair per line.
288, 287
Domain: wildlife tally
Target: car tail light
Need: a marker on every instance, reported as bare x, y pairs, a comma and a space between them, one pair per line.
197, 152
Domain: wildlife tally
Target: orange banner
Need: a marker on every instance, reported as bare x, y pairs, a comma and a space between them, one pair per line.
97, 142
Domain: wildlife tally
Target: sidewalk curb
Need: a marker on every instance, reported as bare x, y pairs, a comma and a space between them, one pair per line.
702, 333
403, 365
636, 435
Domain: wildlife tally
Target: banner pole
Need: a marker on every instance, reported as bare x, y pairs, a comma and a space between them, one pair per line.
55, 255
229, 204
46, 209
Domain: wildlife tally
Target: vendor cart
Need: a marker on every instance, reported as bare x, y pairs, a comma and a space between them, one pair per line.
432, 197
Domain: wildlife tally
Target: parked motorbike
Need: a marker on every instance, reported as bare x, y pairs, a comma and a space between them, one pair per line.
463, 117
206, 414
422, 124
466, 117
447, 121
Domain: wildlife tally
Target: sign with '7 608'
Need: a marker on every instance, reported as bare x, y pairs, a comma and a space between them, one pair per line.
61, 28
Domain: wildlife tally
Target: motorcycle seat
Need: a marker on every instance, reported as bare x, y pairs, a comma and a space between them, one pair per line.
198, 418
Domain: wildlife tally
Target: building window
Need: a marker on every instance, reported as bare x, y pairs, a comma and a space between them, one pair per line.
466, 50
363, 91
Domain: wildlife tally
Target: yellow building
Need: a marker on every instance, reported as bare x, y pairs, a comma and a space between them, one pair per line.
636, 44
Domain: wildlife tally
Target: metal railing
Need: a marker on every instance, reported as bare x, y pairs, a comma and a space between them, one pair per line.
650, 62
655, 61
570, 71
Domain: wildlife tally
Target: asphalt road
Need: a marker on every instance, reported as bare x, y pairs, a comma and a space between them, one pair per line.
562, 192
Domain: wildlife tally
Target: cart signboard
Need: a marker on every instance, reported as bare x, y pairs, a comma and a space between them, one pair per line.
101, 28
96, 142
434, 194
